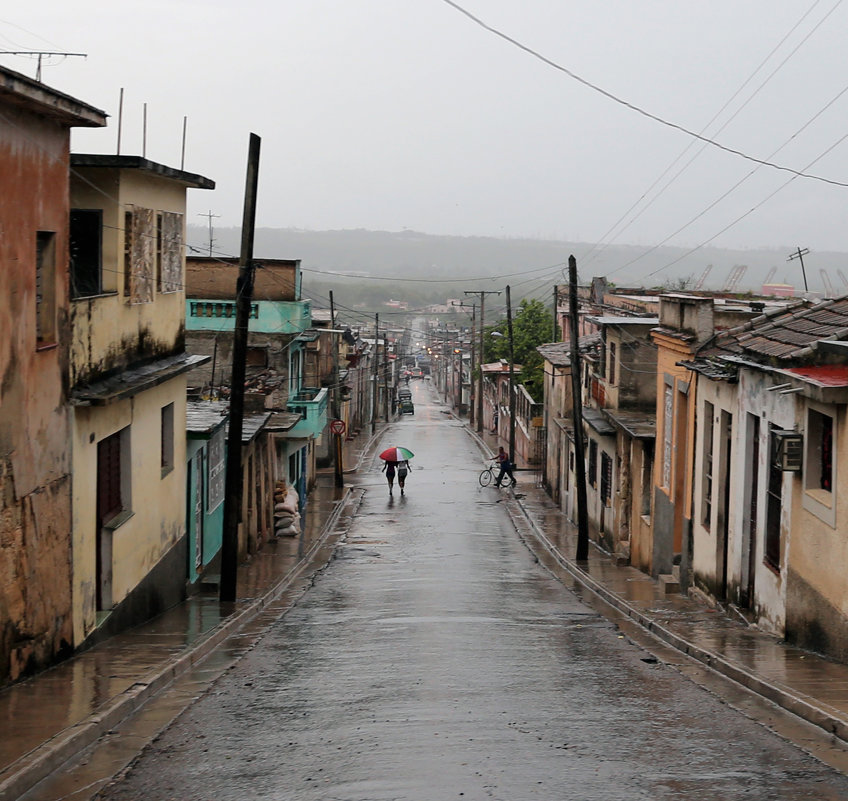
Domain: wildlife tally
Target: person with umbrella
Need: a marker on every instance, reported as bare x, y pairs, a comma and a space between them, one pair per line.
396, 461
389, 469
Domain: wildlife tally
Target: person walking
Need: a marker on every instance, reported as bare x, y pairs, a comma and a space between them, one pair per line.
402, 470
389, 469
505, 463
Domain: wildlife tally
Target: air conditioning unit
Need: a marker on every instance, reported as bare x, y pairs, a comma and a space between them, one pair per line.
788, 450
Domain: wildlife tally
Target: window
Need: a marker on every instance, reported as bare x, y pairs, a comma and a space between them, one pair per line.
216, 469
819, 474
593, 463
167, 449
612, 355
169, 237
707, 467
45, 288
774, 503
606, 479
113, 474
668, 419
139, 255
86, 252
647, 477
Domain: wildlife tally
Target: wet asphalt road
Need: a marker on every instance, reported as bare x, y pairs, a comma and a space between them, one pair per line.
435, 659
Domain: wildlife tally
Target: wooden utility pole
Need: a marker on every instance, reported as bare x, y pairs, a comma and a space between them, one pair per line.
473, 394
338, 461
799, 254
555, 337
374, 373
577, 405
244, 296
511, 380
482, 294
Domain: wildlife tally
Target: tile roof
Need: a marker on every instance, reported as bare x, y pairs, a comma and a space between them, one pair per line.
783, 335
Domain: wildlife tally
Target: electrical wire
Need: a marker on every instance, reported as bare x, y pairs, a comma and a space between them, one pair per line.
638, 109
598, 248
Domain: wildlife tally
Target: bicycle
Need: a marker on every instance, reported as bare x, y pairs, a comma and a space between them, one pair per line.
487, 475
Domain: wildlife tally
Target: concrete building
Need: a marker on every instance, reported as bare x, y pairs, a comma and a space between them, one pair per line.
620, 429
770, 472
35, 443
282, 360
128, 370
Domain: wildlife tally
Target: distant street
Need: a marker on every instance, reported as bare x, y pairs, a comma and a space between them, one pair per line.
434, 658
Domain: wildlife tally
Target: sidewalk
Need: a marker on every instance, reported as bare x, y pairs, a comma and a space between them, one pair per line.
802, 682
52, 716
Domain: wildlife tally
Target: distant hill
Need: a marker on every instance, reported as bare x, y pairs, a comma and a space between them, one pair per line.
410, 254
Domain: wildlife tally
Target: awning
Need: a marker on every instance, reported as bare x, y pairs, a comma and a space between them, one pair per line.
639, 425
135, 381
595, 419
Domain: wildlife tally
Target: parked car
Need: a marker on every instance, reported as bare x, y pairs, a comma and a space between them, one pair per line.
404, 394
406, 407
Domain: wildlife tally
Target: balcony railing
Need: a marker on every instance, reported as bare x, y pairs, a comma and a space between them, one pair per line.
312, 404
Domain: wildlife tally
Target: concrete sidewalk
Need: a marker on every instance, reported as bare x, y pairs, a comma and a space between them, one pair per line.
51, 717
804, 683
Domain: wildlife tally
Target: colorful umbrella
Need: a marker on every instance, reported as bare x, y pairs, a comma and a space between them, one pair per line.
396, 454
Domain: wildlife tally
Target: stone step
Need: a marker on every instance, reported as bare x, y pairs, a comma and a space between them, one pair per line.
668, 583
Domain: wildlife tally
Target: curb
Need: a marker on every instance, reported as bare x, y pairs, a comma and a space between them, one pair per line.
805, 707
36, 765
798, 704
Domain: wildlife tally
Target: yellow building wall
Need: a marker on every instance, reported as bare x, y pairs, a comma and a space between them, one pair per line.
817, 555
157, 502
108, 331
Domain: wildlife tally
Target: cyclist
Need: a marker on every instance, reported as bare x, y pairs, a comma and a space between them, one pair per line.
505, 464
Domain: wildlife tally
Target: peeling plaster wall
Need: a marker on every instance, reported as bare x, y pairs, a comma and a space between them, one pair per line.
157, 502
35, 601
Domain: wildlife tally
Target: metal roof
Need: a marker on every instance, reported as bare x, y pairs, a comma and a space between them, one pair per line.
203, 417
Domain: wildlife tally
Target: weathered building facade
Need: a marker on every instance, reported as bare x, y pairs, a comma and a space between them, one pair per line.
770, 475
35, 454
128, 370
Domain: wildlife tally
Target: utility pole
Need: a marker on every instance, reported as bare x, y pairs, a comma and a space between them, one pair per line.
511, 380
374, 374
244, 296
336, 412
482, 294
473, 394
577, 405
799, 254
555, 337
386, 371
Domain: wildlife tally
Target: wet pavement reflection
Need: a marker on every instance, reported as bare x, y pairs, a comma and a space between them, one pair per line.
436, 658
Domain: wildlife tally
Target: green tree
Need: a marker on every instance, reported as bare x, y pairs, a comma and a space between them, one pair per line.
532, 324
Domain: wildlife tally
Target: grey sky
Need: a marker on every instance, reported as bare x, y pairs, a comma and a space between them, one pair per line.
392, 114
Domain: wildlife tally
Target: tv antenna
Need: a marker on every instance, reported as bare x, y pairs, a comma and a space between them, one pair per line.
211, 216
40, 54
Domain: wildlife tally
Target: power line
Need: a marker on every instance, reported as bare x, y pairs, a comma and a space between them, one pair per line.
638, 109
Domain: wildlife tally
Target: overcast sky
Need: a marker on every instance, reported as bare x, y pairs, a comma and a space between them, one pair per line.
393, 114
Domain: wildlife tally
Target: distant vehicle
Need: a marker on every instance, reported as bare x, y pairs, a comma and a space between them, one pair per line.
406, 407
418, 373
